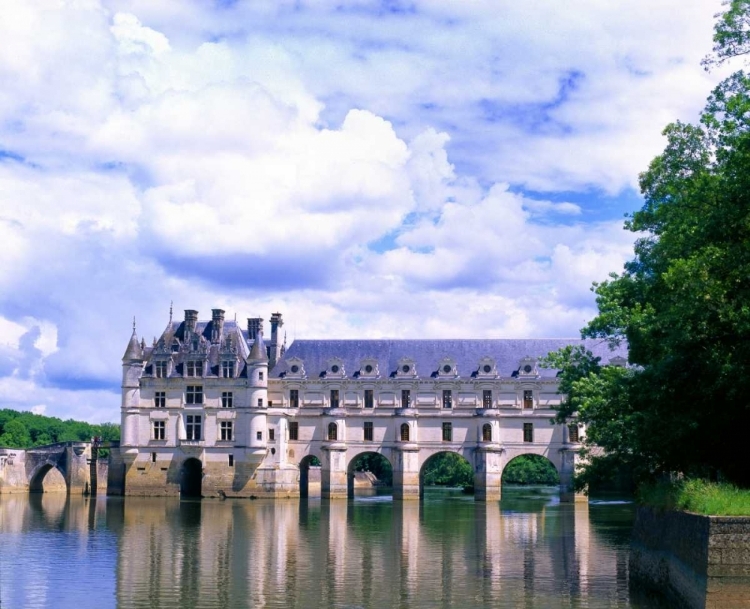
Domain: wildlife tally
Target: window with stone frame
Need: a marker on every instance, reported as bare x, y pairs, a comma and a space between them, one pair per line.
528, 432
294, 398
227, 369
193, 427
194, 368
194, 394
160, 369
160, 430
528, 398
258, 435
226, 431
368, 431
405, 398
486, 432
333, 431
369, 398
261, 376
447, 398
227, 399
271, 434
487, 398
404, 432
260, 402
573, 433
293, 430
334, 398
447, 432
160, 399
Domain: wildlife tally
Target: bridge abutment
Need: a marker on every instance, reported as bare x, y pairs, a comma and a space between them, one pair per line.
406, 473
334, 482
488, 473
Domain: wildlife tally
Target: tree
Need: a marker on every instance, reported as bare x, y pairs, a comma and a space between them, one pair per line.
15, 435
683, 302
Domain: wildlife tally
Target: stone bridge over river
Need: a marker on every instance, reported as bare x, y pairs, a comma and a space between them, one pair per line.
70, 466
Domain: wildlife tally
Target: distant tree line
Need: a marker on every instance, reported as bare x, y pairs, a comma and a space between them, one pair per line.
26, 430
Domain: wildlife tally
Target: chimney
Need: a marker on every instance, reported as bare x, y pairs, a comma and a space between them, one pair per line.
276, 323
217, 325
254, 326
191, 318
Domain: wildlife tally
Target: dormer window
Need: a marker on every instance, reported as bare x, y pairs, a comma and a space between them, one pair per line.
175, 346
194, 368
227, 369
368, 368
487, 368
527, 367
406, 368
447, 367
335, 368
161, 369
295, 368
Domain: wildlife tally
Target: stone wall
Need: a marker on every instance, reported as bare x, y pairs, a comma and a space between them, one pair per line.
699, 562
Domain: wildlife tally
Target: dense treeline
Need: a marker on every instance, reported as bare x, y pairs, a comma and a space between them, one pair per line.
530, 469
26, 430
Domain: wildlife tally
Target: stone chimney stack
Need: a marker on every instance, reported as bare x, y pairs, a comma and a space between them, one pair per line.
275, 346
191, 319
254, 327
217, 325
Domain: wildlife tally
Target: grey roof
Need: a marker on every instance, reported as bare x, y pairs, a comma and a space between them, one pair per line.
133, 351
258, 351
427, 354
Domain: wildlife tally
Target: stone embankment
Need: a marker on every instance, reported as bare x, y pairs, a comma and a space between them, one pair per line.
699, 562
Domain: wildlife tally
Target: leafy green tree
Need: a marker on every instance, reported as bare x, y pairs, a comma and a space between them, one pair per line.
683, 302
448, 469
530, 469
15, 435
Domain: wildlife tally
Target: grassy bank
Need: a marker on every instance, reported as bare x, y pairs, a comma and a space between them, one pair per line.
699, 496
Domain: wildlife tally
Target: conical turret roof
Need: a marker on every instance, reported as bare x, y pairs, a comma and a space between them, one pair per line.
134, 351
258, 352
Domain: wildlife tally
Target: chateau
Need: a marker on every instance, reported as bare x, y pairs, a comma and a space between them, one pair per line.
213, 409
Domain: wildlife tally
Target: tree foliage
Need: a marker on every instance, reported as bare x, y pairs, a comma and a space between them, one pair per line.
682, 303
530, 469
26, 430
448, 469
376, 464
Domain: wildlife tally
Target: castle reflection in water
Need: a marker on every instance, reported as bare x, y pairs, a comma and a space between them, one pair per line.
444, 552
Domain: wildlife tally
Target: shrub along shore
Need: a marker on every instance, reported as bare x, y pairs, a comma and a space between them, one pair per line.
697, 496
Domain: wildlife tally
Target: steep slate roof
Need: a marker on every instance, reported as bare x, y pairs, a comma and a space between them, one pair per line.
426, 354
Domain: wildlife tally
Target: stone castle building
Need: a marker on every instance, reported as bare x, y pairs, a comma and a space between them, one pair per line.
212, 408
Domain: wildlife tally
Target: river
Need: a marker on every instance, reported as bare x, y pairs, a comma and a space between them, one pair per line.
526, 551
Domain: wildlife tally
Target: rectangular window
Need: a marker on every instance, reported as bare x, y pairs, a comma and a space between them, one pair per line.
260, 376
447, 432
153, 457
405, 398
368, 431
447, 398
487, 398
194, 368
294, 398
160, 399
573, 433
160, 430
260, 402
161, 370
258, 435
294, 430
528, 432
528, 399
369, 398
193, 427
227, 369
231, 460
334, 398
271, 434
194, 394
225, 431
227, 399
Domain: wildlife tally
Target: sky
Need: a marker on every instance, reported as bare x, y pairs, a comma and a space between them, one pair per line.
370, 168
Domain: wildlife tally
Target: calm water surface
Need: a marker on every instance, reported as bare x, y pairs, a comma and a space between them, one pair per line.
527, 551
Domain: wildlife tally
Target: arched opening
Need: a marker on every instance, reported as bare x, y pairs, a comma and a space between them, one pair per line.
309, 476
48, 479
404, 432
369, 474
191, 478
333, 432
486, 432
446, 471
528, 479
